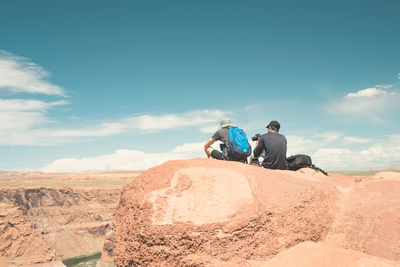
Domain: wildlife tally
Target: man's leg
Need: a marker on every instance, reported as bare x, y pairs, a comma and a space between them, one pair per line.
216, 154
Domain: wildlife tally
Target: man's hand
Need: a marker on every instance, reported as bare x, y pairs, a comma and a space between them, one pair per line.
252, 154
207, 146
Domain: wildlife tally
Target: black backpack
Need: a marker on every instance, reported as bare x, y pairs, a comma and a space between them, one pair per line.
299, 161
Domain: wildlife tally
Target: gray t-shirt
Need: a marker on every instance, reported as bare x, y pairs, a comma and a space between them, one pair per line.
223, 136
275, 146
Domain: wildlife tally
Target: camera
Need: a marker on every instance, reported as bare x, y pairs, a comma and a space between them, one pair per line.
255, 138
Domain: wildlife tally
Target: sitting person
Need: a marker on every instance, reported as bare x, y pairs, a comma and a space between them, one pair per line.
223, 135
275, 145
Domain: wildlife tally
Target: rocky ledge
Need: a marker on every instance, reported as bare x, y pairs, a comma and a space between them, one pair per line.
205, 212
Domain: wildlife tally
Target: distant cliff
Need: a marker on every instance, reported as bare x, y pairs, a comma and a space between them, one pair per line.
40, 224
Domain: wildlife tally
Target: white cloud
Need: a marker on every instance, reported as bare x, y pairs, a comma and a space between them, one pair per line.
395, 137
189, 147
326, 137
371, 104
298, 145
398, 76
326, 152
368, 92
123, 159
334, 159
209, 129
18, 115
307, 145
168, 121
377, 155
25, 119
27, 105
22, 120
384, 86
17, 74
102, 130
357, 140
146, 123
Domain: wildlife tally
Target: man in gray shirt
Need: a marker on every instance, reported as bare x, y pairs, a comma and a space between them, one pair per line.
275, 145
221, 135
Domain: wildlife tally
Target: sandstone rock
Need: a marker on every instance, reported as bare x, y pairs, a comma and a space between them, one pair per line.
4, 262
387, 176
369, 218
108, 246
70, 221
48, 264
310, 254
104, 264
204, 212
20, 242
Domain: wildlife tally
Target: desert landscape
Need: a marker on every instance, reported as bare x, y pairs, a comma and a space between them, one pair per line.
110, 113
49, 217
200, 212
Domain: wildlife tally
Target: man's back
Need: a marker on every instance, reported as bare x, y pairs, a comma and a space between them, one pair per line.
275, 146
235, 144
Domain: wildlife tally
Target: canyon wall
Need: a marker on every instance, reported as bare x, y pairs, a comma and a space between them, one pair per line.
44, 221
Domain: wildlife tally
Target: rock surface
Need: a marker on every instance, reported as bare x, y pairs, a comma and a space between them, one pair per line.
226, 210
202, 213
20, 240
369, 217
309, 254
205, 212
48, 217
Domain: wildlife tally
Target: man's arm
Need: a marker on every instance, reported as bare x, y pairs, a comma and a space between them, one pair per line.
259, 148
252, 154
207, 145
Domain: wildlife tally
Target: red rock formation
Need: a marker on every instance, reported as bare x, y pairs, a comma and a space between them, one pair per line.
206, 211
369, 217
20, 242
68, 213
309, 254
70, 222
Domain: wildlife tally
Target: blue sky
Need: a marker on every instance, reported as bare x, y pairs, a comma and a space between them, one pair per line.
90, 85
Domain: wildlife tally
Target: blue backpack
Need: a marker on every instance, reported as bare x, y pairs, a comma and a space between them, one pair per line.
238, 145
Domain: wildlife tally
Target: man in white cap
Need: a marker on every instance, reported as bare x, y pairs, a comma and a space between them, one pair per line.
221, 135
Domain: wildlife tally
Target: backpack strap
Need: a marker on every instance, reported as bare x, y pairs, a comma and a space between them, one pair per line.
223, 152
312, 166
223, 148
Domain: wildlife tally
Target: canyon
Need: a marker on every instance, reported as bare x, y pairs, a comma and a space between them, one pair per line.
48, 217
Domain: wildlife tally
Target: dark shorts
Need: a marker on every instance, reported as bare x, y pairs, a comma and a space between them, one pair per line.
216, 154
